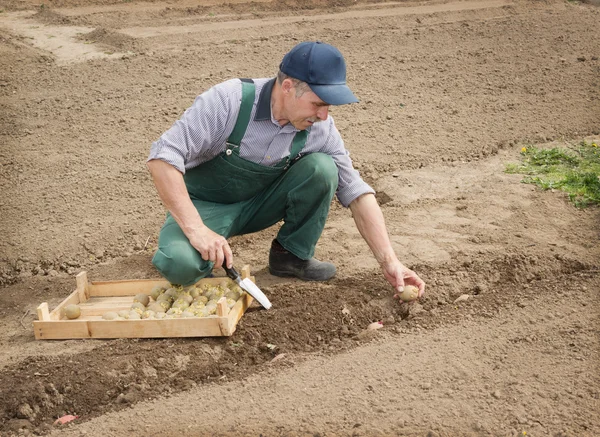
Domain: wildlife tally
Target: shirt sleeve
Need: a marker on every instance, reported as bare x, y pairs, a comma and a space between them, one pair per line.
201, 132
350, 183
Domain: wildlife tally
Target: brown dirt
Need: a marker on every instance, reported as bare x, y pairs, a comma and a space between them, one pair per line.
450, 92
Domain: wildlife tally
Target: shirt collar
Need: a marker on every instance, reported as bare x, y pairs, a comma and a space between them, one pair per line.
263, 110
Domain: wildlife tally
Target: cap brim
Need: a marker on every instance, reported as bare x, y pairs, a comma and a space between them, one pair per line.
334, 94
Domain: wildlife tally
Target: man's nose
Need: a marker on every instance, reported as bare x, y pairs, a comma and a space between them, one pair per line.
323, 112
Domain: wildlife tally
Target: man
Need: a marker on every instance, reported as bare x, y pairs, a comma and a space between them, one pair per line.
249, 153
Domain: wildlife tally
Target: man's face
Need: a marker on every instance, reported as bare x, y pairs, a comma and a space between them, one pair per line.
305, 110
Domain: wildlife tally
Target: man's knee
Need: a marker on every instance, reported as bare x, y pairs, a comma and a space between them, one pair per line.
322, 170
180, 263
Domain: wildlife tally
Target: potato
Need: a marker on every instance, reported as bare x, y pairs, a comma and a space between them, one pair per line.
210, 308
157, 307
165, 298
142, 298
232, 295
409, 294
135, 315
181, 304
187, 297
110, 315
203, 312
156, 291
165, 304
172, 292
138, 306
174, 312
148, 314
214, 293
201, 299
188, 289
196, 306
123, 313
72, 311
231, 302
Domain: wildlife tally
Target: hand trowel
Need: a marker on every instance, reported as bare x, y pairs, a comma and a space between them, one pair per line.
248, 286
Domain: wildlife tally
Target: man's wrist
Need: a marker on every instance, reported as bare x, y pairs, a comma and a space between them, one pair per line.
387, 258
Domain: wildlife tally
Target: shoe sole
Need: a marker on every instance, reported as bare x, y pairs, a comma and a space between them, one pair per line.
287, 274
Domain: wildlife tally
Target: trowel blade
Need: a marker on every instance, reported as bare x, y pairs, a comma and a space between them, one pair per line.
255, 292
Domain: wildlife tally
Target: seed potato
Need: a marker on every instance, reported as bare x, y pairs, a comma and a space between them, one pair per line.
110, 315
157, 307
142, 298
232, 295
201, 299
135, 315
409, 293
72, 311
138, 306
156, 291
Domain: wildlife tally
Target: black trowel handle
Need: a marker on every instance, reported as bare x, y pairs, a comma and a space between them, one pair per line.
231, 272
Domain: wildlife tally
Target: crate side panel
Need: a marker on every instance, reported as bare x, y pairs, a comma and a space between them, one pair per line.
125, 288
132, 287
238, 310
201, 327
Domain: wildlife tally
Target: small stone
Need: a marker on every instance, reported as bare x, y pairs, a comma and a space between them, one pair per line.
462, 298
497, 394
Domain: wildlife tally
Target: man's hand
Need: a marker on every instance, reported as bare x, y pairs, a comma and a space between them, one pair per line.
399, 275
171, 189
212, 246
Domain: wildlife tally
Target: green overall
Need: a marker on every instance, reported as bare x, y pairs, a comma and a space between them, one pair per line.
235, 196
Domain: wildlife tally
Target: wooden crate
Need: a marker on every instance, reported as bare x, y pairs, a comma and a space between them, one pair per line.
96, 298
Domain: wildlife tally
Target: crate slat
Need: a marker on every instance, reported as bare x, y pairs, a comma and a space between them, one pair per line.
190, 327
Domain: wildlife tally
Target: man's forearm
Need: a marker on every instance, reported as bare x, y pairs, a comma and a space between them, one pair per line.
172, 191
371, 225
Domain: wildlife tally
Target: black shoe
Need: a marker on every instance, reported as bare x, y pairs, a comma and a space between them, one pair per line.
285, 264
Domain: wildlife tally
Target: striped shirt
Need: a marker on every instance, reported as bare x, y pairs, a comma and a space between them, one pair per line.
201, 132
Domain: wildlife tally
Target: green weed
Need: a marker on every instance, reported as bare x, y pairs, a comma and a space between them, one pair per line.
576, 171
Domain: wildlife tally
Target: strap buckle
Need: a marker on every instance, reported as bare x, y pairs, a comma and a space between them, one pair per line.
289, 162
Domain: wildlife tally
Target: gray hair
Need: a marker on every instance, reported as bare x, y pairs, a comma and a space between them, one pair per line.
301, 87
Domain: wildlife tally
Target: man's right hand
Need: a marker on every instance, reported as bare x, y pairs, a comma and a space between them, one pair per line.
171, 189
212, 246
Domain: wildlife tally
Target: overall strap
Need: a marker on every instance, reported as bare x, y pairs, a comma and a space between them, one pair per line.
298, 144
248, 93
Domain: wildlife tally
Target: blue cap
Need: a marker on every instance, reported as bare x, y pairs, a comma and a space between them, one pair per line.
323, 68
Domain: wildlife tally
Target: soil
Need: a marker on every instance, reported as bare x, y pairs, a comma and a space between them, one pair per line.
450, 92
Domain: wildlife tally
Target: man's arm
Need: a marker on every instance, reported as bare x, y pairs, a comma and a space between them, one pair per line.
173, 192
371, 225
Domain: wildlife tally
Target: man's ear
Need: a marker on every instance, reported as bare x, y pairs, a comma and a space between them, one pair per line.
287, 86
